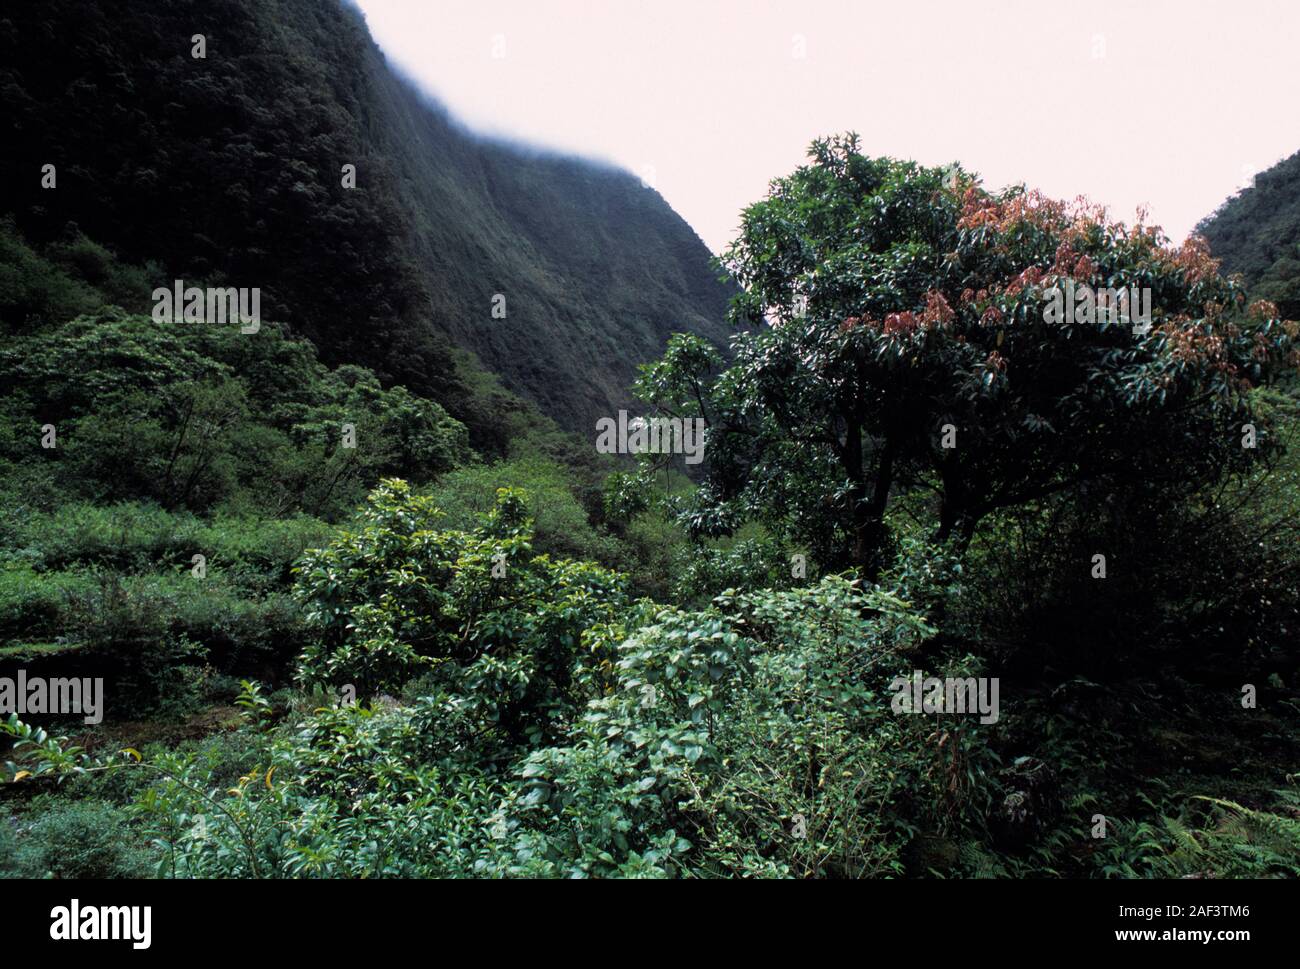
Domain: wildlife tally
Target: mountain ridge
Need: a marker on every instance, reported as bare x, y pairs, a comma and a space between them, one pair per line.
1257, 233
233, 177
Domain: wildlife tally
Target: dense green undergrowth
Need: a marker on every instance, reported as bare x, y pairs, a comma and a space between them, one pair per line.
537, 722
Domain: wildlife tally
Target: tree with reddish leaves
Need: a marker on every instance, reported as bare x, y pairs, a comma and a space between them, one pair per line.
908, 333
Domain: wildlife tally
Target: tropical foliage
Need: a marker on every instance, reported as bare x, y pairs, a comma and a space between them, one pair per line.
430, 656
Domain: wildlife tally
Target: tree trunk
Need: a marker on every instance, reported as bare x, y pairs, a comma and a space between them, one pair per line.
869, 510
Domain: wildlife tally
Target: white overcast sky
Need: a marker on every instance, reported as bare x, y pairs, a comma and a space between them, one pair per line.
1169, 104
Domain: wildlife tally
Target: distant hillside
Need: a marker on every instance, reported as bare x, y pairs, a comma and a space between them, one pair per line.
1257, 233
227, 170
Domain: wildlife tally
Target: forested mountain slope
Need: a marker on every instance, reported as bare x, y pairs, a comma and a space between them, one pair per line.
1257, 233
228, 169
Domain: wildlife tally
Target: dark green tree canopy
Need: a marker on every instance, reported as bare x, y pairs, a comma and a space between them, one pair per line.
909, 331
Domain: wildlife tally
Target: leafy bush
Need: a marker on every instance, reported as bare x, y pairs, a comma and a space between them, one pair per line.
706, 569
560, 524
80, 839
151, 633
753, 738
502, 627
34, 604
195, 415
129, 536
